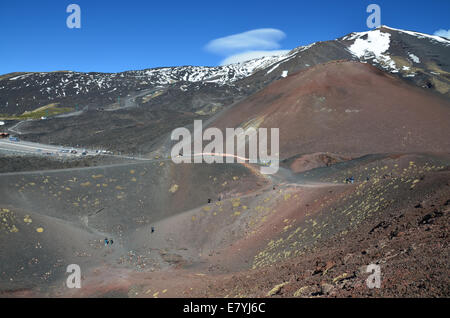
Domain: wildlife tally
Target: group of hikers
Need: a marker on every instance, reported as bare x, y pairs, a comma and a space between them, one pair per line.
108, 242
352, 180
111, 241
218, 199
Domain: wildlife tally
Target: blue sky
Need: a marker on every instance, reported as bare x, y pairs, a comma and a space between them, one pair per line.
137, 34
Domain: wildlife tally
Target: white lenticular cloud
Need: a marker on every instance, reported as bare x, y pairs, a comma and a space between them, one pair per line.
250, 55
258, 39
443, 33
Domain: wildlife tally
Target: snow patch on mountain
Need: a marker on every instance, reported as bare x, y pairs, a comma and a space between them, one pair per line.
376, 43
18, 77
414, 58
226, 74
372, 45
284, 59
273, 68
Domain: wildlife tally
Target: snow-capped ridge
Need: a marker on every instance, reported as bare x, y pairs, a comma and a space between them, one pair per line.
420, 35
375, 46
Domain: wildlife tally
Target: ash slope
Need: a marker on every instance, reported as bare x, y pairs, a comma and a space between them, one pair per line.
311, 237
50, 219
346, 108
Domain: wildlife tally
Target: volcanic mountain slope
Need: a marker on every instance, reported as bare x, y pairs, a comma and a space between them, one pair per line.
53, 218
302, 232
313, 235
301, 235
20, 92
415, 57
345, 108
420, 58
398, 220
142, 100
133, 131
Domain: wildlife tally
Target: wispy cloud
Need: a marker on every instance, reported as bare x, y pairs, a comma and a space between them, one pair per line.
260, 39
250, 55
247, 45
444, 33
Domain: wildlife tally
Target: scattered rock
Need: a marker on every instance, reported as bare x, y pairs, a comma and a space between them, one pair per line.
306, 291
428, 218
327, 288
173, 188
276, 290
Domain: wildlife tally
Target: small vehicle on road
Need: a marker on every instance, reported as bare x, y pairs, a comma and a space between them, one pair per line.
15, 139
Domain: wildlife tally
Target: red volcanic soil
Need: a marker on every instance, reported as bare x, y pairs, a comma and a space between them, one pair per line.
409, 241
227, 231
311, 161
346, 108
312, 239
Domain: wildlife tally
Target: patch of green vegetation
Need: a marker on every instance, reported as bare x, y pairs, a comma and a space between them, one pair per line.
146, 98
440, 86
44, 111
401, 62
208, 110
432, 66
